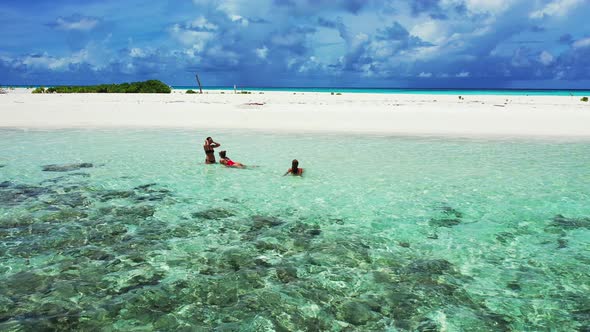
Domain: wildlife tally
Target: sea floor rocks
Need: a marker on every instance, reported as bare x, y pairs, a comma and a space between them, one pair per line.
140, 194
356, 313
12, 194
261, 222
447, 217
65, 167
73, 199
564, 223
79, 257
213, 214
286, 274
132, 214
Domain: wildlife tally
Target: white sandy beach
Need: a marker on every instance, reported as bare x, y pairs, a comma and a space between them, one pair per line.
397, 114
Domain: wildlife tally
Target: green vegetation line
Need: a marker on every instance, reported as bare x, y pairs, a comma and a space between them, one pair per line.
151, 86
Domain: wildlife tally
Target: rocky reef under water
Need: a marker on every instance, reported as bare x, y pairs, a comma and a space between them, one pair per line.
78, 257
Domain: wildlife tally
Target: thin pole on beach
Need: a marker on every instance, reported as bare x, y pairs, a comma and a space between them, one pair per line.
199, 82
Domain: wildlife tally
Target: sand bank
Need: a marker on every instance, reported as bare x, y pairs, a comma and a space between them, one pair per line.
304, 112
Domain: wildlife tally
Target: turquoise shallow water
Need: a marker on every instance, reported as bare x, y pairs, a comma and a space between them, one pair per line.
381, 233
453, 92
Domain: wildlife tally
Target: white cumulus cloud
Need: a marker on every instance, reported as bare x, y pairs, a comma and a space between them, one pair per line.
137, 53
262, 52
490, 6
239, 19
45, 61
546, 58
432, 31
585, 42
556, 8
196, 39
75, 23
201, 23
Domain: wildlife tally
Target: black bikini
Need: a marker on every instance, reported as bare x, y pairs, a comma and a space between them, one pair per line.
210, 156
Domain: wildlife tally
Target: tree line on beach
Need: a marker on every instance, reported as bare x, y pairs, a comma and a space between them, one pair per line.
150, 86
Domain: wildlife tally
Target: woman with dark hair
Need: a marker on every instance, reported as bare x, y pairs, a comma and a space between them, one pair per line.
209, 153
224, 160
295, 170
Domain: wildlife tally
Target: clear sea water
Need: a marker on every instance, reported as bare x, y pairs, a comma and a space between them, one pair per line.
453, 92
380, 234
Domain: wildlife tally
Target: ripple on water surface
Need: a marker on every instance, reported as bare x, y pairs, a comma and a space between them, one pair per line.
123, 230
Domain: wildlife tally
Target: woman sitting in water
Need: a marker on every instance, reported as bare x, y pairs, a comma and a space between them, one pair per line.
224, 160
295, 170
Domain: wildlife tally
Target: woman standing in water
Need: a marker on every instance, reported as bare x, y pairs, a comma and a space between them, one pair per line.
295, 170
209, 152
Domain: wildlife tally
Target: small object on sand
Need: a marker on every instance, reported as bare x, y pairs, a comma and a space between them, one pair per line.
199, 82
254, 104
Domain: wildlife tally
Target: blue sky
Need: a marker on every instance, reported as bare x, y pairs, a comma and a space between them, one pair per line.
341, 43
